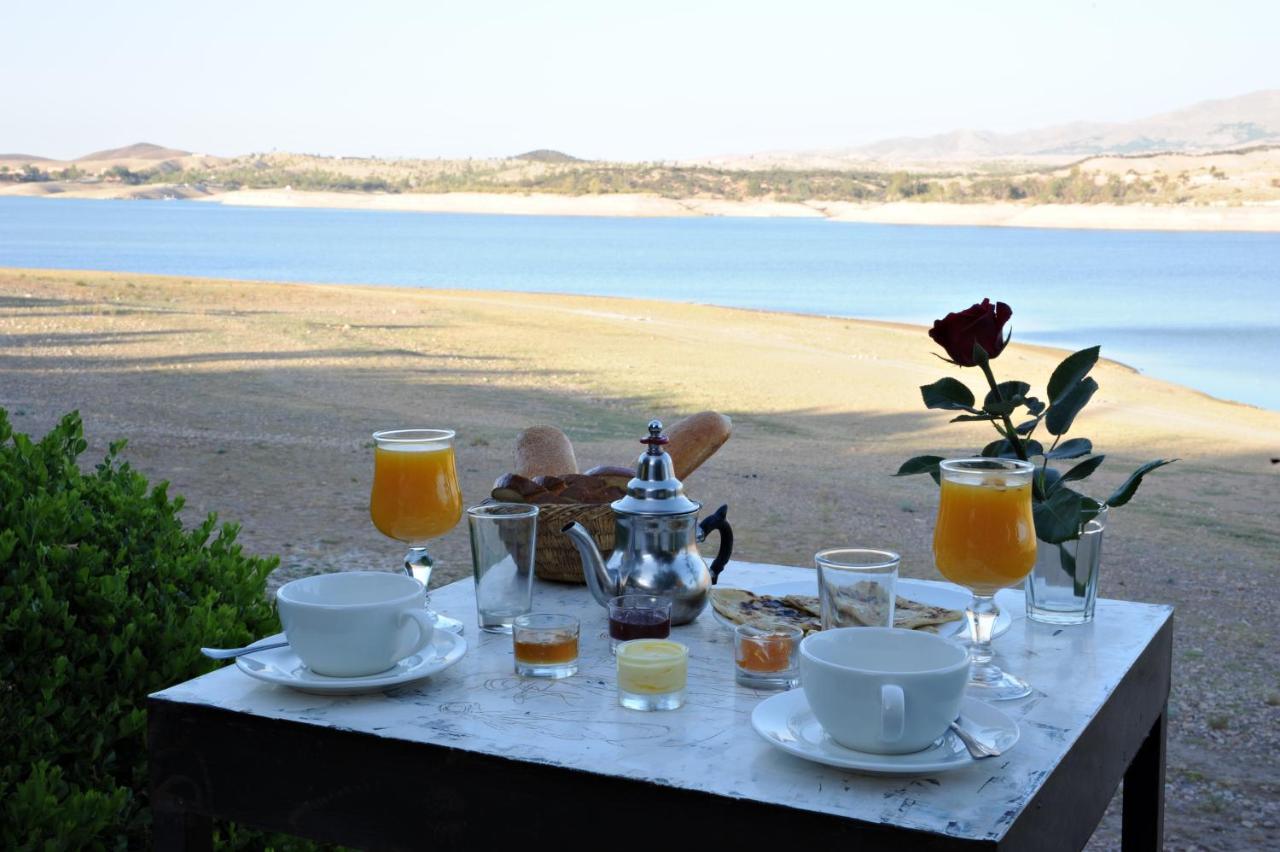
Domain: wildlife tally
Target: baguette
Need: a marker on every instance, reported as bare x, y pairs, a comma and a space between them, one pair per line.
542, 451
693, 440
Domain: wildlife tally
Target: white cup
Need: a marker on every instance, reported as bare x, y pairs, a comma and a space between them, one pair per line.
356, 622
883, 690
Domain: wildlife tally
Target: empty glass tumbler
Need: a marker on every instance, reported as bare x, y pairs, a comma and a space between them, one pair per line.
502, 549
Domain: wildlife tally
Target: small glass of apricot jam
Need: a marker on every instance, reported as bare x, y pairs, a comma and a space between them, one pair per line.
767, 657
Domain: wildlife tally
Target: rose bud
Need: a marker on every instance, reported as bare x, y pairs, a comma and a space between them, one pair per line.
981, 324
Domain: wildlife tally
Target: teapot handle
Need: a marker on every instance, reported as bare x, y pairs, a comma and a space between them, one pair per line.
717, 520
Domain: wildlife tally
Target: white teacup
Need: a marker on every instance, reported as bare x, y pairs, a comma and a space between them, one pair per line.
356, 622
883, 690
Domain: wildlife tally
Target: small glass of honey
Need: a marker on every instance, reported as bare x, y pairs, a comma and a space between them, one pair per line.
767, 657
546, 645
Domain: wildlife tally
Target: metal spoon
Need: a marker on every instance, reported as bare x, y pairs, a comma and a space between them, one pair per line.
977, 748
228, 653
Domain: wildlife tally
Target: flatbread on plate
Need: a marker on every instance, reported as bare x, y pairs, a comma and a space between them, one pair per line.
805, 611
742, 607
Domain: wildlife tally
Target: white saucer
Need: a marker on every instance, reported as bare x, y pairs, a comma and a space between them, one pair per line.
282, 666
948, 596
786, 721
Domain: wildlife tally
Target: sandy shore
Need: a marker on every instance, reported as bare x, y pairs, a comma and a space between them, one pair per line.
257, 400
1260, 217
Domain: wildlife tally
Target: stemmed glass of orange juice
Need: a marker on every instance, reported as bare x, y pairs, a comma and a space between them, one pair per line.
416, 496
985, 539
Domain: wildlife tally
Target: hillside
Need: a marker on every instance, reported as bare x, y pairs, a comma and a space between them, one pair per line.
1216, 125
137, 151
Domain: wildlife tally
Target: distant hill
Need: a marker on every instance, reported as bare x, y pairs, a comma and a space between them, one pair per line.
139, 151
1217, 125
25, 158
546, 155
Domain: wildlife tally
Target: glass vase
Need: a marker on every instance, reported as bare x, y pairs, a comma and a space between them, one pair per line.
1063, 586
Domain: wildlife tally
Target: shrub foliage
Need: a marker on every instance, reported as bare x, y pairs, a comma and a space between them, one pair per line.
105, 598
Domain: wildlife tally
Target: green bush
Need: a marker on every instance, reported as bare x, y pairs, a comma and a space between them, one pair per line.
105, 598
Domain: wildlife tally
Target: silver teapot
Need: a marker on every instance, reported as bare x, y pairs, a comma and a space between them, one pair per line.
656, 539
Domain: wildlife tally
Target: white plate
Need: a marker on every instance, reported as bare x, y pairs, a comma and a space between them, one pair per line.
949, 596
786, 721
282, 666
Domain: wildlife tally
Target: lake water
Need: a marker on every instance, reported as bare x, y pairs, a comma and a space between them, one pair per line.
1196, 308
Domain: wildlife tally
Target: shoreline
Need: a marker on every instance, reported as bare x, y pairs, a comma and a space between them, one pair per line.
638, 302
1245, 218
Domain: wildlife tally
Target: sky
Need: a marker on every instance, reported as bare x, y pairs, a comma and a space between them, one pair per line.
602, 80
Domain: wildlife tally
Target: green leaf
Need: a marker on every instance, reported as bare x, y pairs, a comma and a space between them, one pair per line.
1033, 405
1083, 469
1026, 427
1002, 449
1057, 517
1064, 410
1002, 409
1072, 449
973, 418
1006, 391
1049, 479
1125, 492
919, 464
949, 394
1071, 371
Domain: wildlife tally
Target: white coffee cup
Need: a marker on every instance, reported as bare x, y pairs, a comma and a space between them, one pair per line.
881, 689
356, 622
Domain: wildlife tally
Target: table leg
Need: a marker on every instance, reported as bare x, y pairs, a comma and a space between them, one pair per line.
1142, 823
181, 831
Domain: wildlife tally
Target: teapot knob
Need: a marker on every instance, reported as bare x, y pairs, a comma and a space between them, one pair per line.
656, 439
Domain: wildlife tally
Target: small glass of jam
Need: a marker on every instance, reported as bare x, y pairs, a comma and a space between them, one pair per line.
652, 674
767, 657
638, 617
546, 645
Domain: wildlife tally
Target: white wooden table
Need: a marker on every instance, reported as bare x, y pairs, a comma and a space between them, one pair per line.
476, 755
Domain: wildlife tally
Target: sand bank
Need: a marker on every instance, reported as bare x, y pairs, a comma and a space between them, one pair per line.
1259, 217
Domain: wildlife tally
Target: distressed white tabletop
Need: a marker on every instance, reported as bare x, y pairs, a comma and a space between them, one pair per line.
708, 745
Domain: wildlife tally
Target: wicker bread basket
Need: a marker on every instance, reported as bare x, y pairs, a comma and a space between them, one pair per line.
555, 557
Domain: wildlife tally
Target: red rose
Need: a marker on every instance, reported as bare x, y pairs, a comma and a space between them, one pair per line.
981, 324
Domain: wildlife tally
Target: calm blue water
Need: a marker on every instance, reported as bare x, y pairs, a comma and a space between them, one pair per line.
1195, 308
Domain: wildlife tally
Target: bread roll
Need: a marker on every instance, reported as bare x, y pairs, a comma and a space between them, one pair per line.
511, 488
554, 484
613, 475
542, 450
693, 440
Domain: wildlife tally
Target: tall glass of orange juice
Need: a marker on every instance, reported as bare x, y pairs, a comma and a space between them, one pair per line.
985, 539
415, 495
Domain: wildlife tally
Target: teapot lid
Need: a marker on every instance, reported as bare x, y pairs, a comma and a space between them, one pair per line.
655, 489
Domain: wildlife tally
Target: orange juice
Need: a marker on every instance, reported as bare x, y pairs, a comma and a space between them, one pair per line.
415, 492
985, 538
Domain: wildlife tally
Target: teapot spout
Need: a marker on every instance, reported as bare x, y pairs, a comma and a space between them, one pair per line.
602, 585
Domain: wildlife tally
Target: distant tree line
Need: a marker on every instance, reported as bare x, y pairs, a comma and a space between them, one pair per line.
680, 182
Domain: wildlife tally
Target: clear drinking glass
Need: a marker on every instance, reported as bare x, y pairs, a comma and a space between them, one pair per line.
985, 540
416, 497
638, 617
767, 657
856, 587
502, 549
546, 644
652, 674
1062, 588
